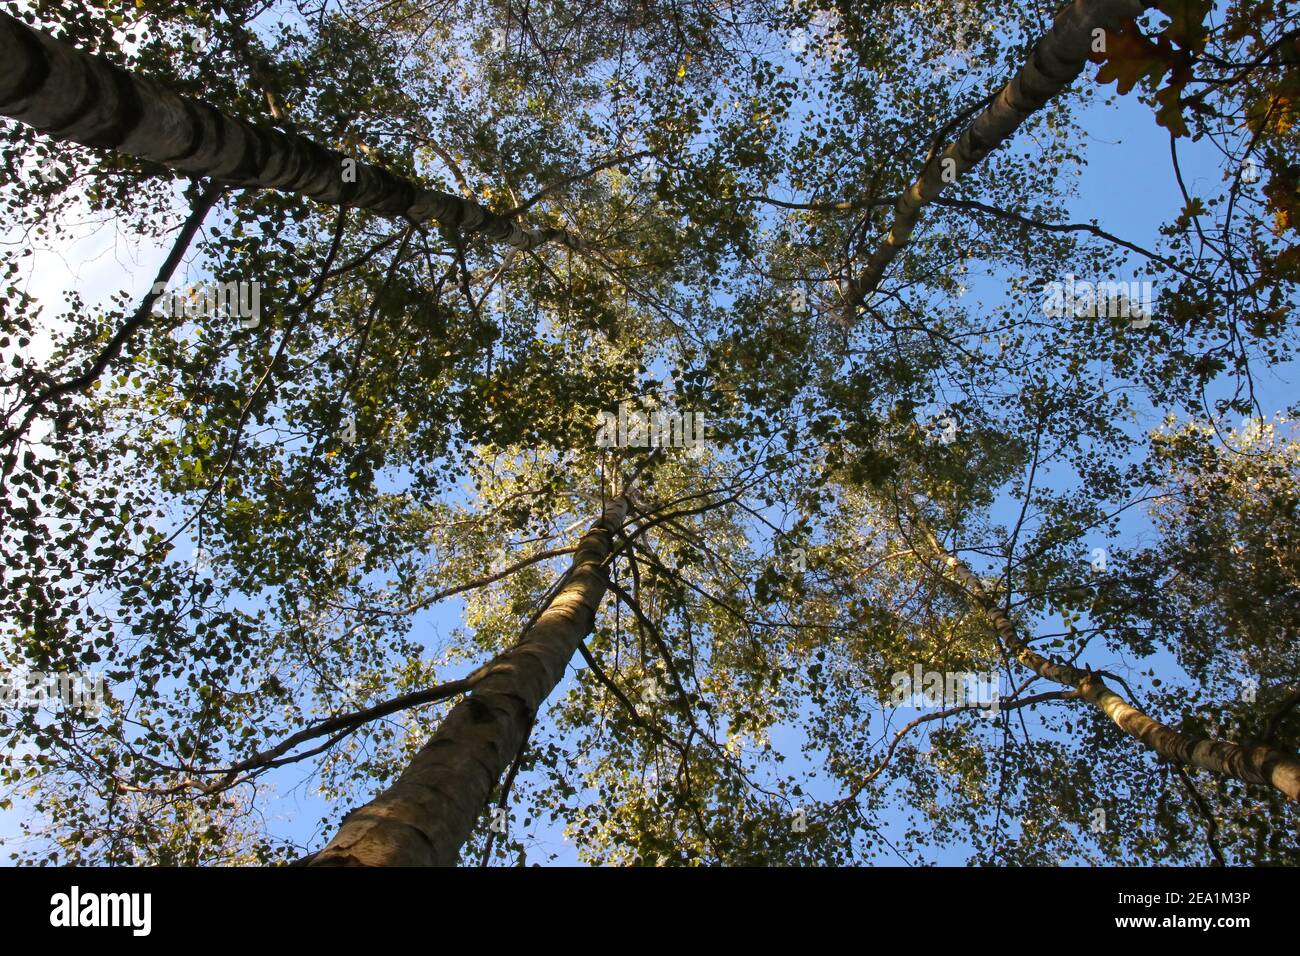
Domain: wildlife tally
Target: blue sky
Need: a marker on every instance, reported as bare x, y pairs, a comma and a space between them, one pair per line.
1127, 186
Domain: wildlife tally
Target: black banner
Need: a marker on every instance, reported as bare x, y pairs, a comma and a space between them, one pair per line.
297, 904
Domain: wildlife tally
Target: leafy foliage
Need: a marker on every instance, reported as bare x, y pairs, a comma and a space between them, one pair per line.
373, 489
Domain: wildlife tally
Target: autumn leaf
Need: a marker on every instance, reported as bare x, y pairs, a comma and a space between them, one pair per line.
1170, 113
1129, 56
1283, 194
1187, 22
1274, 113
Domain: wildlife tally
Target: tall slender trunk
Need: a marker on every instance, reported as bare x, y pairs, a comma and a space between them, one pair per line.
78, 97
425, 817
1251, 764
1057, 60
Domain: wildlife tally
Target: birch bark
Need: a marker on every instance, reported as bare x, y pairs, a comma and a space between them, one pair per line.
1056, 61
1251, 764
77, 97
425, 817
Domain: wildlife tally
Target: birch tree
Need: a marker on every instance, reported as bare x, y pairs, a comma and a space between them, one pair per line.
260, 525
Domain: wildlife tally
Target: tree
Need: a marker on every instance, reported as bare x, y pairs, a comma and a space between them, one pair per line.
478, 739
476, 261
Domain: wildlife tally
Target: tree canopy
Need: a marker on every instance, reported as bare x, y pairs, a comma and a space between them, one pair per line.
603, 419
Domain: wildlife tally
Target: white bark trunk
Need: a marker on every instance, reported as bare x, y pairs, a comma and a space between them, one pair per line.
427, 815
1257, 764
1057, 60
76, 97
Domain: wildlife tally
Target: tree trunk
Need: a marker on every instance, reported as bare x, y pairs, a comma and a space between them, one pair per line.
1257, 764
81, 98
1056, 61
427, 815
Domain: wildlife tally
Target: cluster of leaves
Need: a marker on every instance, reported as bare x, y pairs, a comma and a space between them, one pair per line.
411, 421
